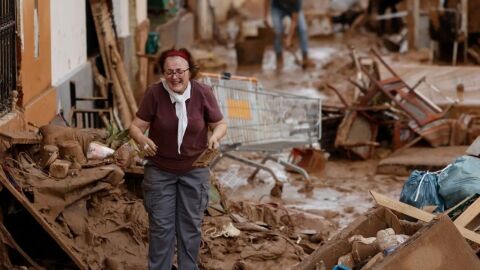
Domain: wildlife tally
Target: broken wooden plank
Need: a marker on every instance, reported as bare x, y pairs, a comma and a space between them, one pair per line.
340, 96
141, 36
20, 137
113, 63
413, 21
418, 214
59, 238
401, 207
440, 79
469, 214
474, 148
407, 145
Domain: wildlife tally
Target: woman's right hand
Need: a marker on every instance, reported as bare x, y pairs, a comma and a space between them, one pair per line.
137, 132
148, 146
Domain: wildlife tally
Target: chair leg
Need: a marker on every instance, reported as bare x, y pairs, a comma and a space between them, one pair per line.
433, 51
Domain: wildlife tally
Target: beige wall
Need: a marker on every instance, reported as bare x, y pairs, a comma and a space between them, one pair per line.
68, 38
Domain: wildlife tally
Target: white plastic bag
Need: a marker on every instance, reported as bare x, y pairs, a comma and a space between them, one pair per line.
100, 151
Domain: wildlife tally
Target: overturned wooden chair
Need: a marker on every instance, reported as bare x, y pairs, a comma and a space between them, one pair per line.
421, 109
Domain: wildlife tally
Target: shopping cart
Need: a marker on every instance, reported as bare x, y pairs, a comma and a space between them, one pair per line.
267, 122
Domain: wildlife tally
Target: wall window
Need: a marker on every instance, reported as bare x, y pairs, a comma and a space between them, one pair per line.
8, 54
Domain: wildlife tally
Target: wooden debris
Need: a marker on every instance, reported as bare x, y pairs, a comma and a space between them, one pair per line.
113, 63
421, 109
20, 137
59, 168
441, 81
469, 214
48, 154
357, 134
362, 251
206, 158
312, 160
418, 214
141, 36
71, 150
438, 245
474, 148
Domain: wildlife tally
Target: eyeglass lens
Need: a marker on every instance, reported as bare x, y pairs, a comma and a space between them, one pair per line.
176, 71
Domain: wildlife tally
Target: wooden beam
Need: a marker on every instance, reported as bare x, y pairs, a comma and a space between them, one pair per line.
20, 137
113, 63
413, 20
469, 214
401, 207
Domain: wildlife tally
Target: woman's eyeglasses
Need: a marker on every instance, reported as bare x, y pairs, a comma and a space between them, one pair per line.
179, 72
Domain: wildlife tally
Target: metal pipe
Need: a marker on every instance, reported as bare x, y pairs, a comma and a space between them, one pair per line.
253, 163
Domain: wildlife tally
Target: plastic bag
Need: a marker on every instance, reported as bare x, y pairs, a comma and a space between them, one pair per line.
460, 180
98, 150
421, 189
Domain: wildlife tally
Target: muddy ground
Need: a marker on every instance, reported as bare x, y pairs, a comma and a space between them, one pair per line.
341, 192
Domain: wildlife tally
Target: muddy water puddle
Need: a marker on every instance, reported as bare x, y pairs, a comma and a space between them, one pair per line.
340, 197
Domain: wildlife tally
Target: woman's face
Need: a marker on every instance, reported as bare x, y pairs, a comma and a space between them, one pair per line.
176, 73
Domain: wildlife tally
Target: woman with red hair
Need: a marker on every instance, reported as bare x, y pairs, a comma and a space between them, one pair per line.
178, 111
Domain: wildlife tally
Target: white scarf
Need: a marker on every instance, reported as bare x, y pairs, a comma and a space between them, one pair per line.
180, 110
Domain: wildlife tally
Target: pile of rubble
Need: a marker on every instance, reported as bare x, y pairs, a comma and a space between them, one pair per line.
71, 186
388, 112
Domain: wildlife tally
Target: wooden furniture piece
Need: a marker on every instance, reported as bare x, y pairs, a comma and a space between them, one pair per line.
99, 116
421, 109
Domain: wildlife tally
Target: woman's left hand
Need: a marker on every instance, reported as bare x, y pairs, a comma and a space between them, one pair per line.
213, 142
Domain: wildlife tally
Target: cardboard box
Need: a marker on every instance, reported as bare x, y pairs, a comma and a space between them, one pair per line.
435, 245
439, 245
366, 225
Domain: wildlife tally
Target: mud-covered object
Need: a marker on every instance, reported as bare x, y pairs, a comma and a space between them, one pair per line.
109, 230
51, 196
421, 189
53, 134
460, 180
124, 155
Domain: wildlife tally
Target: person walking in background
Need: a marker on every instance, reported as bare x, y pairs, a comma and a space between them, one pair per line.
279, 9
178, 111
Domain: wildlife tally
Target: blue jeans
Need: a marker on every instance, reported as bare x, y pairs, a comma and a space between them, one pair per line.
277, 18
175, 206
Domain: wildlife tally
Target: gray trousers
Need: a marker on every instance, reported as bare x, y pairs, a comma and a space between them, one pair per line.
175, 206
